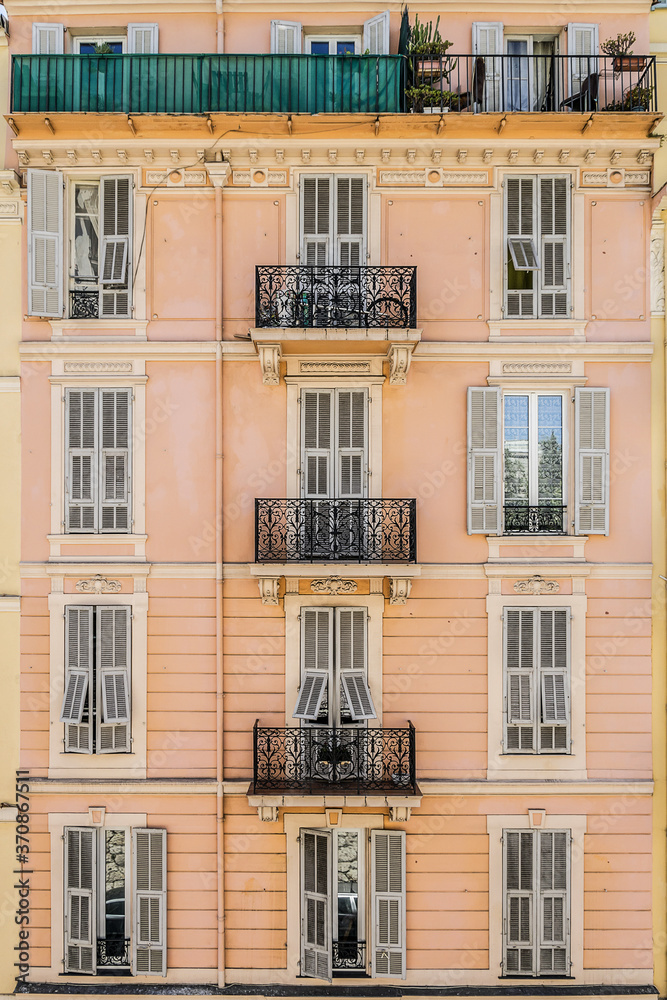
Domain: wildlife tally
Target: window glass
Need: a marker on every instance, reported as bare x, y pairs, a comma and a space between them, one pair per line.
319, 48
533, 449
86, 231
516, 448
549, 449
114, 892
347, 876
88, 48
344, 48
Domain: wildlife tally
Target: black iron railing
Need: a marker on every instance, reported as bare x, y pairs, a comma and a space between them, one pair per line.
538, 83
367, 530
546, 519
113, 952
84, 303
312, 759
348, 956
202, 84
326, 296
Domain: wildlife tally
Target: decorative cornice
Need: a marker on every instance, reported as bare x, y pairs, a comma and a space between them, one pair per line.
536, 586
98, 367
537, 368
335, 367
333, 585
98, 585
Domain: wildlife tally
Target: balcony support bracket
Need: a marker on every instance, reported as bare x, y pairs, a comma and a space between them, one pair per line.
400, 356
399, 589
268, 814
268, 589
399, 814
269, 360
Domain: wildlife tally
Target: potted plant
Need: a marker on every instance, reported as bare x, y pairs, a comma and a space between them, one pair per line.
426, 99
621, 49
426, 49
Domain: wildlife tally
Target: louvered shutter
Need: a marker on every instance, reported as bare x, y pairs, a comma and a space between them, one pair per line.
487, 41
519, 875
47, 39
80, 900
45, 243
142, 38
592, 461
554, 918
388, 904
483, 460
115, 413
316, 220
554, 250
520, 229
376, 35
285, 37
351, 643
116, 217
583, 50
519, 635
350, 217
316, 904
113, 664
352, 464
317, 436
77, 700
554, 659
316, 662
81, 484
149, 941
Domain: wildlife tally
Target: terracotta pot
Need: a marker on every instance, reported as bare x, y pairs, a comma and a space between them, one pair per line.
629, 64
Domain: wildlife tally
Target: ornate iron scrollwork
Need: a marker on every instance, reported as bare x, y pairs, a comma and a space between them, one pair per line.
113, 952
546, 519
348, 955
84, 303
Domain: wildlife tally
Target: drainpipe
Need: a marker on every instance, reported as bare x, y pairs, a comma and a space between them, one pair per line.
219, 27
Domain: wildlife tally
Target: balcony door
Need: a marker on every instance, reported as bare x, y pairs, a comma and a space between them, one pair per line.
334, 471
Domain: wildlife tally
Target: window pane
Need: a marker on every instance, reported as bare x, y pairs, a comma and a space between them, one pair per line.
319, 48
88, 48
114, 892
550, 449
344, 48
516, 449
347, 866
86, 231
517, 75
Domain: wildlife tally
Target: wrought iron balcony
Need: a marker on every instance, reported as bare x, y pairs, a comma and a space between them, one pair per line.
84, 303
206, 84
545, 519
317, 759
113, 953
537, 83
367, 530
327, 296
348, 956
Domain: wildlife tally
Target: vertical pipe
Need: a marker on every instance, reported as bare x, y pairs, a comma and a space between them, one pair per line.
219, 28
219, 720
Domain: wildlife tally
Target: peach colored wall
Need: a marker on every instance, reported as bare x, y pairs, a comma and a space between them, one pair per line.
253, 233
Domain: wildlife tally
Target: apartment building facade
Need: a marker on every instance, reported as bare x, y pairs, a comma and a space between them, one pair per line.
336, 506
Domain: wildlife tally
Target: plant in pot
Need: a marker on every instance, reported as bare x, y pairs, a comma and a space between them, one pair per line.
621, 50
427, 53
425, 99
103, 49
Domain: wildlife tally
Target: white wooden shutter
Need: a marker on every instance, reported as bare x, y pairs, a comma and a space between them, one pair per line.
388, 904
77, 699
47, 39
483, 460
521, 230
317, 626
316, 219
317, 419
285, 37
45, 243
554, 663
350, 222
352, 443
351, 643
487, 41
592, 462
116, 218
554, 917
376, 35
149, 941
81, 443
316, 904
80, 900
115, 429
519, 642
583, 48
113, 665
142, 38
555, 244
519, 877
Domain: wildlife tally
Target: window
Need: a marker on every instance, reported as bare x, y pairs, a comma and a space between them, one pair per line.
97, 466
334, 442
536, 912
334, 687
537, 258
96, 700
321, 45
536, 661
99, 246
532, 465
530, 71
47, 39
105, 928
338, 901
90, 44
286, 37
333, 219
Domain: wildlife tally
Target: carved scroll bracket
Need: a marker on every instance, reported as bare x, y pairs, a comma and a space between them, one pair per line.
400, 356
268, 589
399, 589
269, 360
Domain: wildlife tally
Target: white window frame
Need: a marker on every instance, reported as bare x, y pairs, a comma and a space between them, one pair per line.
106, 765
60, 382
566, 430
577, 825
351, 36
374, 604
115, 36
504, 766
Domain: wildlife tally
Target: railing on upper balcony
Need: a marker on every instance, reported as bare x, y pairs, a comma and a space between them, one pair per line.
311, 759
545, 519
538, 83
366, 530
326, 296
203, 84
